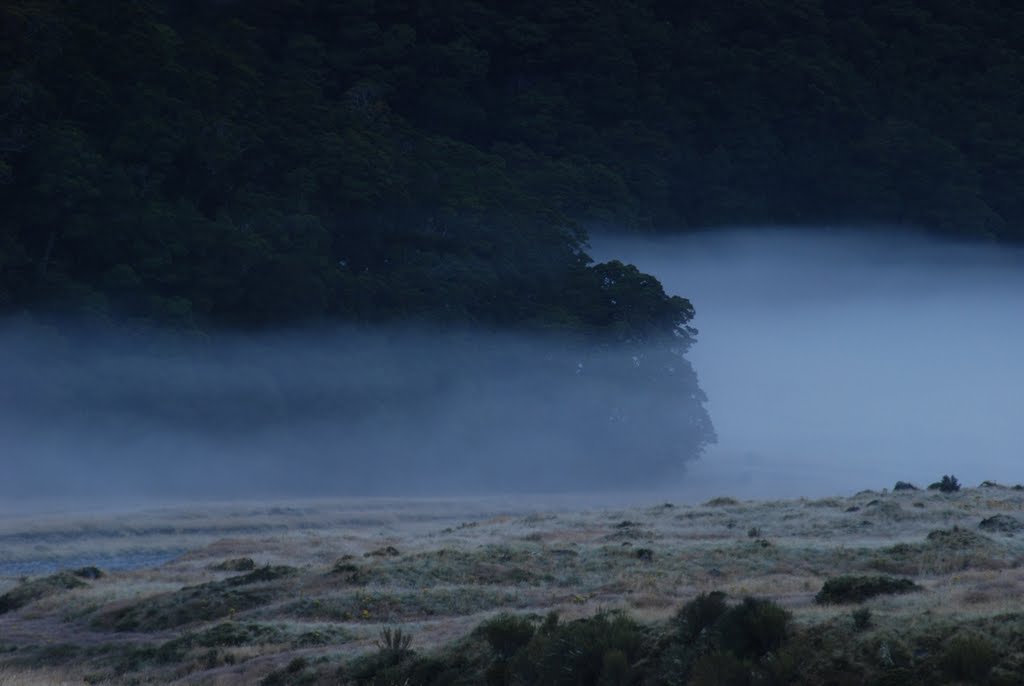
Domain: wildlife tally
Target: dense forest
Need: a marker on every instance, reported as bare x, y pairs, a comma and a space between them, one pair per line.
247, 164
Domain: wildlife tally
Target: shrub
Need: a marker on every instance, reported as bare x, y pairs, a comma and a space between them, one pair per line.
1001, 523
754, 627
948, 484
904, 486
581, 652
956, 538
856, 589
507, 633
265, 573
89, 572
969, 657
31, 591
861, 618
720, 669
394, 640
238, 564
615, 670
699, 614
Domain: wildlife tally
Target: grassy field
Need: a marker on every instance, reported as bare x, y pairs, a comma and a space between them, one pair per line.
919, 587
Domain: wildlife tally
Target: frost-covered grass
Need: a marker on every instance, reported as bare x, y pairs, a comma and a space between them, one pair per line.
330, 575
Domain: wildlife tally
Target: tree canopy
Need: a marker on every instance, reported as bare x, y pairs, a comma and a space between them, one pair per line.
245, 163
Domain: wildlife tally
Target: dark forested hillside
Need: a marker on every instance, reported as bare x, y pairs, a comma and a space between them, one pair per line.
246, 163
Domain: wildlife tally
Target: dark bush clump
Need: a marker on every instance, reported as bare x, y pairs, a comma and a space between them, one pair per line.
266, 573
720, 669
699, 614
603, 649
89, 572
857, 589
233, 634
753, 628
507, 633
1001, 523
969, 657
30, 591
904, 486
394, 640
238, 564
948, 484
956, 538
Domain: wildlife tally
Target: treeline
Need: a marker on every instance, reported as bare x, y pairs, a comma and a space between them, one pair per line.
247, 163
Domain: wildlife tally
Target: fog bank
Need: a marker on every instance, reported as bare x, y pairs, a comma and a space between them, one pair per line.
835, 362
134, 417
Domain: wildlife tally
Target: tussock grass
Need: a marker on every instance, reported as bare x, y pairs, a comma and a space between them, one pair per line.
326, 578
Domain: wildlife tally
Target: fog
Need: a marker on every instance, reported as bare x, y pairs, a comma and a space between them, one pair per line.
833, 363
846, 360
93, 417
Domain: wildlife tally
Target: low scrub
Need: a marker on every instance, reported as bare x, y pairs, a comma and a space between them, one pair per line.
205, 602
238, 564
969, 657
707, 638
857, 589
34, 590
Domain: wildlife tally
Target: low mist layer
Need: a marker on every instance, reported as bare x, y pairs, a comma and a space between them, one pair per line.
840, 361
342, 412
832, 362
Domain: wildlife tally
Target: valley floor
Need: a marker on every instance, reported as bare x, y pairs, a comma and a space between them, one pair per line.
291, 593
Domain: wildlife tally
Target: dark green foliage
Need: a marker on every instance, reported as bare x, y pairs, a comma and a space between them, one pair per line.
1001, 523
861, 618
265, 573
248, 164
948, 484
721, 669
205, 602
615, 670
753, 628
857, 589
31, 591
234, 634
394, 640
700, 614
904, 486
707, 642
896, 676
969, 657
238, 564
596, 650
297, 665
507, 633
90, 573
956, 538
